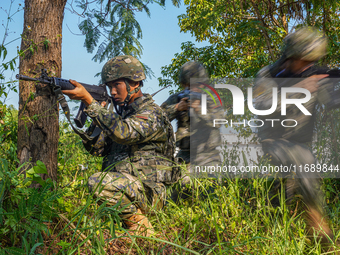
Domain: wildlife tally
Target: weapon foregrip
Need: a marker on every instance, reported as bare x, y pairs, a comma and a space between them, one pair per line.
99, 93
64, 84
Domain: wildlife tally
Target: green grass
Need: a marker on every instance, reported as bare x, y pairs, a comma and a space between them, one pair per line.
236, 218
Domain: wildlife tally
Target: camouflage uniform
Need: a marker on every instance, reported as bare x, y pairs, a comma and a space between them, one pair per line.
183, 125
202, 135
205, 138
289, 145
138, 148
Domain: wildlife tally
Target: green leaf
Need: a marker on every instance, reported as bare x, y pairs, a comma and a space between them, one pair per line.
27, 182
40, 168
15, 251
37, 178
11, 66
35, 247
46, 42
30, 171
5, 53
64, 244
4, 165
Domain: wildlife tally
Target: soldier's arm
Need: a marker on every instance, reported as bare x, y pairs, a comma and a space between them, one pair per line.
334, 100
263, 96
136, 129
214, 111
327, 95
263, 93
170, 108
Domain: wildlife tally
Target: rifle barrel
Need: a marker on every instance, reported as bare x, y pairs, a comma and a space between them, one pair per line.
25, 78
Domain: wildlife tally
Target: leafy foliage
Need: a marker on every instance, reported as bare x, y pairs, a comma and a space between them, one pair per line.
111, 27
7, 65
217, 217
245, 36
23, 210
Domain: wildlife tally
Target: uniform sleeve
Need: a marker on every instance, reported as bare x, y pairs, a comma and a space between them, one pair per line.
263, 96
138, 128
327, 95
169, 107
214, 111
263, 93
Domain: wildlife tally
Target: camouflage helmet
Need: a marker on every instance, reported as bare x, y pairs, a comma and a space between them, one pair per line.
192, 69
122, 67
306, 44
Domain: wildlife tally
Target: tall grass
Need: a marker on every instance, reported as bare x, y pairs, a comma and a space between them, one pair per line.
227, 216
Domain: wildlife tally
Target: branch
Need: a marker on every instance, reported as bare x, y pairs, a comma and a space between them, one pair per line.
266, 37
74, 11
280, 7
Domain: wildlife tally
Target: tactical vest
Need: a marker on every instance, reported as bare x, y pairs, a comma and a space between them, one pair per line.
152, 160
303, 132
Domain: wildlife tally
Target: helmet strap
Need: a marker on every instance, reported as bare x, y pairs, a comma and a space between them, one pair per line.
120, 108
127, 99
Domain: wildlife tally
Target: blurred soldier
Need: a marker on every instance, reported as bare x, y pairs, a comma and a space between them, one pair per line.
184, 106
287, 146
137, 144
177, 106
196, 137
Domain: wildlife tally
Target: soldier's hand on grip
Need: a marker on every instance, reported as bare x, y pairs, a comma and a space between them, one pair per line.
183, 105
311, 83
79, 93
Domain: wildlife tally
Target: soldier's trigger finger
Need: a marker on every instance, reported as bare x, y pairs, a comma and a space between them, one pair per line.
67, 92
318, 77
103, 104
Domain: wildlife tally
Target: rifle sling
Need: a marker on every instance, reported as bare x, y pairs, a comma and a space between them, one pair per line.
61, 99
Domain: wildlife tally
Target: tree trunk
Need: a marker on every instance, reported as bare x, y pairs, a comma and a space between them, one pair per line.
38, 130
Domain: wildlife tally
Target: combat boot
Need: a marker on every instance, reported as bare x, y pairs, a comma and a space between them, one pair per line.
139, 224
316, 222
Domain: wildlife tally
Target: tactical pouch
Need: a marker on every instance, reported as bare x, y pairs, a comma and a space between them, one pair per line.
156, 195
184, 143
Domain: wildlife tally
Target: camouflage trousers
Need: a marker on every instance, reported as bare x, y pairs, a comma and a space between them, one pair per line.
290, 153
182, 189
129, 192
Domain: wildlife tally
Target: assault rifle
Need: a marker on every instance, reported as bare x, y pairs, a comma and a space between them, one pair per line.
189, 94
56, 85
332, 82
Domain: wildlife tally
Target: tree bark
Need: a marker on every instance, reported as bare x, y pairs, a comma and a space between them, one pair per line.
38, 130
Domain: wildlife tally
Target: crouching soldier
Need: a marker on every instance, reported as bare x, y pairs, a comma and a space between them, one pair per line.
288, 146
136, 141
196, 137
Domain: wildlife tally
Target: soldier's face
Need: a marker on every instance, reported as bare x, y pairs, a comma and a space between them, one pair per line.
297, 65
118, 90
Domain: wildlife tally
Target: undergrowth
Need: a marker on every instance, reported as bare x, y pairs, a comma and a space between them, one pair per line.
227, 216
